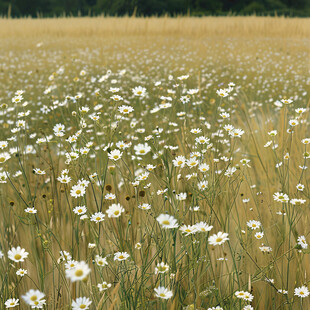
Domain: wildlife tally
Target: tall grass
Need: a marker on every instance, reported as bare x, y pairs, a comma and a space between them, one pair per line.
179, 26
67, 66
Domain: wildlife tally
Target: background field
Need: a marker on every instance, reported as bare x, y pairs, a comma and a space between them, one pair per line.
266, 58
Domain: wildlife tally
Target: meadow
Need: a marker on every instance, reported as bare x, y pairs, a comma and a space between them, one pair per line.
154, 163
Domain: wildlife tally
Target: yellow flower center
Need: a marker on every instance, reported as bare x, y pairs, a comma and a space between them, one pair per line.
33, 298
79, 273
166, 222
17, 256
219, 239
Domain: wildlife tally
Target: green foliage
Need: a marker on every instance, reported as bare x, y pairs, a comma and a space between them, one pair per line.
254, 7
48, 8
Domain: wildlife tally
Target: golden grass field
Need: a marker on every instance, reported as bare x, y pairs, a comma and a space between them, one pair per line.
181, 26
230, 95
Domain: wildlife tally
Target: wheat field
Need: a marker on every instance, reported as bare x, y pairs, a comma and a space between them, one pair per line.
154, 163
